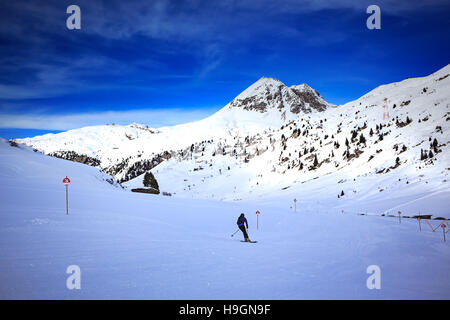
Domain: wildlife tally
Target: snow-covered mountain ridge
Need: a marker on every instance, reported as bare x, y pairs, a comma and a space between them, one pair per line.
276, 140
267, 104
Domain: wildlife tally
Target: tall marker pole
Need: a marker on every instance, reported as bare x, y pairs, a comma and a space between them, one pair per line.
443, 229
66, 181
67, 199
295, 205
257, 219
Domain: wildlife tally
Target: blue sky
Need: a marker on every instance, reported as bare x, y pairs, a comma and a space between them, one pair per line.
168, 62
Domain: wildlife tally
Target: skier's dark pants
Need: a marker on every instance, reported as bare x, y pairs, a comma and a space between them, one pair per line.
244, 231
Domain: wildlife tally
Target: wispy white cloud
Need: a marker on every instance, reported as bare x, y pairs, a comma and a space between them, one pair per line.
153, 118
208, 33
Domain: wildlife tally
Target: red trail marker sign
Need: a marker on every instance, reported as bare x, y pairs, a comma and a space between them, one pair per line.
66, 182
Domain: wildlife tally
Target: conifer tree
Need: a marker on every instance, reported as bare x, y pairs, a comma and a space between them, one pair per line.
435, 145
362, 139
316, 162
150, 181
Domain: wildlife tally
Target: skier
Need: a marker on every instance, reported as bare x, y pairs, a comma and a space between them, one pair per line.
242, 222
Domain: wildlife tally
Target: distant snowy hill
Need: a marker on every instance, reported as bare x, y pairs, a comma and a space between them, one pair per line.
123, 150
279, 141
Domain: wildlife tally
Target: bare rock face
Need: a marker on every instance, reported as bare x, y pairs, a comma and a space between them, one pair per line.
263, 94
269, 93
131, 169
73, 156
311, 97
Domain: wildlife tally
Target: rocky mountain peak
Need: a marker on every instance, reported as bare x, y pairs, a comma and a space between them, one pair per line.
270, 93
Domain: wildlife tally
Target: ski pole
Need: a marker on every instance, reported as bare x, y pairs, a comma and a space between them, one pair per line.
235, 232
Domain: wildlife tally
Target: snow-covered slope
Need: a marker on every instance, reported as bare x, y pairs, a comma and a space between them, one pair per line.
23, 171
386, 166
138, 246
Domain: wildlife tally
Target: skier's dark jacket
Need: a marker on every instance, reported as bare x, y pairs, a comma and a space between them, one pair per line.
241, 220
